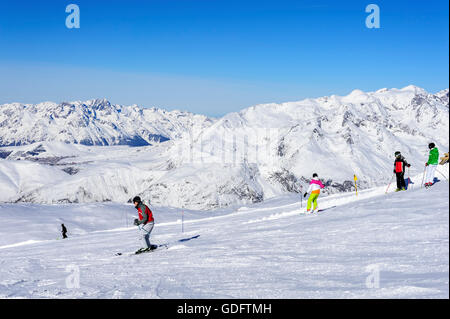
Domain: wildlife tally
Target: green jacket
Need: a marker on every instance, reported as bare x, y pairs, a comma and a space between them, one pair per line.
433, 159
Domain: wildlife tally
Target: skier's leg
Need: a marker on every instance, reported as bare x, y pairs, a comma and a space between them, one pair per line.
400, 180
315, 201
308, 205
146, 230
432, 172
142, 236
427, 174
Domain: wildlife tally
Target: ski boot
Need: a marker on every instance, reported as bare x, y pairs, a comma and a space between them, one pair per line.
141, 250
398, 190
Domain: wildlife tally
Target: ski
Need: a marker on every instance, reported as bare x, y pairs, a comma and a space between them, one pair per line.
318, 211
324, 209
158, 247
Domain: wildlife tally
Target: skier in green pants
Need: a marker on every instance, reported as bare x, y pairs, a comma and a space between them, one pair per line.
314, 189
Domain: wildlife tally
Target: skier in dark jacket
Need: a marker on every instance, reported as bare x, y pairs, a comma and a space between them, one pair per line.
63, 231
145, 224
400, 165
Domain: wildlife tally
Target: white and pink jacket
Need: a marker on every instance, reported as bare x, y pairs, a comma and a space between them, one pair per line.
315, 186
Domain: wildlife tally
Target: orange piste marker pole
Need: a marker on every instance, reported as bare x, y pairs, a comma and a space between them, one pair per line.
356, 188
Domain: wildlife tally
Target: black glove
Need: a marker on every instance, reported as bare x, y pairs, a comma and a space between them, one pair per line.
409, 165
136, 222
305, 194
394, 171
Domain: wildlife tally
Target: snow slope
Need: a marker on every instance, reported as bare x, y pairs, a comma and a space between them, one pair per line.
266, 250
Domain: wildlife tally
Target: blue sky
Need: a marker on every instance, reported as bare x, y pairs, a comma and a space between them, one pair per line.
214, 57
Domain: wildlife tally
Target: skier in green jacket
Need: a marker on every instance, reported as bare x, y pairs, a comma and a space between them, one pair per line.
431, 164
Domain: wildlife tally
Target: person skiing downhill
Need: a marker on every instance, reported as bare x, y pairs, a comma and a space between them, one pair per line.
400, 165
145, 224
431, 164
314, 189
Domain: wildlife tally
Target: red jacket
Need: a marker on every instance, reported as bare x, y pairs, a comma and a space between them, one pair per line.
147, 211
400, 164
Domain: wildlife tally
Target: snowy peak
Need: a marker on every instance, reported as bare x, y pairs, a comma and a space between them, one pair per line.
443, 96
93, 122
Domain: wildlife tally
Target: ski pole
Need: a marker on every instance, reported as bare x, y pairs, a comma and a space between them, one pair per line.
389, 184
301, 197
442, 174
182, 221
423, 177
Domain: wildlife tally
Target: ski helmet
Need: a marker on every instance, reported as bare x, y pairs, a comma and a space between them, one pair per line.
315, 175
397, 153
431, 146
137, 199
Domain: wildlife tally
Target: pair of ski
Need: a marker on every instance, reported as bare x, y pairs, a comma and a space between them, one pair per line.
143, 251
318, 211
160, 247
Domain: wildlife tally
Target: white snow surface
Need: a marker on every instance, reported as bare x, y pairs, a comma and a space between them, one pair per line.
264, 250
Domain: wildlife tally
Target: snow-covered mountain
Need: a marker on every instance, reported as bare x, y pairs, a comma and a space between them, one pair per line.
94, 122
270, 149
333, 136
250, 156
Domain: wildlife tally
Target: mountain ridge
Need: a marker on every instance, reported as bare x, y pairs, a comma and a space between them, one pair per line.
244, 157
92, 122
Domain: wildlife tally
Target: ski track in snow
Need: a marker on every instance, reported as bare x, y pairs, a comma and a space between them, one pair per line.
267, 250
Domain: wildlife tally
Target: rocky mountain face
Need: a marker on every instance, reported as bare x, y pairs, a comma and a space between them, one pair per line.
94, 122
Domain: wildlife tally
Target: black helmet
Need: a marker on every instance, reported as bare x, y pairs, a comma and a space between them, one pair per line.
315, 175
397, 153
431, 146
137, 199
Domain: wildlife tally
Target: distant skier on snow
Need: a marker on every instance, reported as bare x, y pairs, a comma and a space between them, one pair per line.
400, 165
314, 189
431, 164
145, 224
64, 231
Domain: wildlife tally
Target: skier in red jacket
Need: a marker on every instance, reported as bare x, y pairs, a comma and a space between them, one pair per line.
400, 165
145, 224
